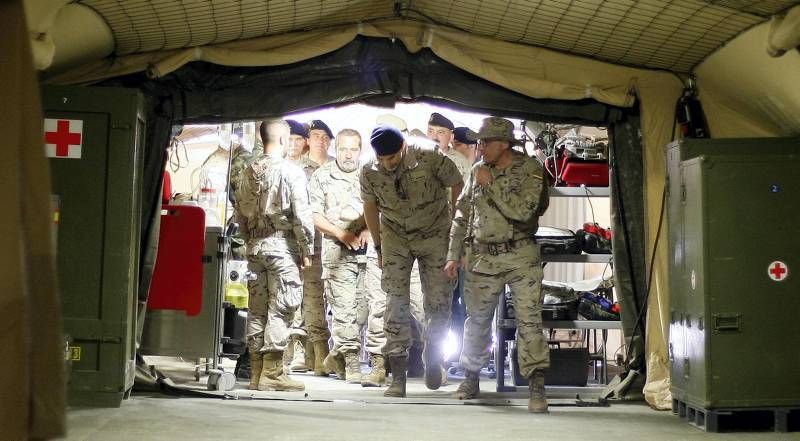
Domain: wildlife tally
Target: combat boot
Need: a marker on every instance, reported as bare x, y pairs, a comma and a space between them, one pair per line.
377, 375
256, 365
398, 386
537, 402
432, 357
469, 388
298, 363
320, 353
273, 377
334, 362
309, 348
352, 367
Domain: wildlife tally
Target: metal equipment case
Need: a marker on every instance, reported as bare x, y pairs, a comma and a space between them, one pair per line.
733, 210
99, 202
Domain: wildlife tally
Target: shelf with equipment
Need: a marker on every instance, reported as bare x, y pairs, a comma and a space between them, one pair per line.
503, 343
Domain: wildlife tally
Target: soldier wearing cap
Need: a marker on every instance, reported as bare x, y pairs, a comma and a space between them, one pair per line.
440, 130
496, 219
415, 365
465, 142
314, 316
298, 137
274, 215
407, 211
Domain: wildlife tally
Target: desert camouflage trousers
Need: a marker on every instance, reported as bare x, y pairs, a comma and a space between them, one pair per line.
481, 294
275, 295
312, 319
399, 254
347, 297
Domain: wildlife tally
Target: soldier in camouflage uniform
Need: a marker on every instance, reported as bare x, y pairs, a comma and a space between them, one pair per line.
408, 214
313, 320
494, 226
339, 216
274, 214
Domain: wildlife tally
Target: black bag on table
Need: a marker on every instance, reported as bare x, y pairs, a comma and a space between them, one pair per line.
557, 241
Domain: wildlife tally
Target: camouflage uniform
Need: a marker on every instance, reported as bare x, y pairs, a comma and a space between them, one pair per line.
273, 212
335, 195
498, 222
461, 162
312, 318
415, 217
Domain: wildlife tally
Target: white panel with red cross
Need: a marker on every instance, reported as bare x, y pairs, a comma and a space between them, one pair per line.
63, 138
778, 271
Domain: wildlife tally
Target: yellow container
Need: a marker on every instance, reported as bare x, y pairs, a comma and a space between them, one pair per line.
236, 294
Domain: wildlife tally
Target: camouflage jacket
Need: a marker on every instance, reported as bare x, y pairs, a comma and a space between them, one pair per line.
335, 195
412, 199
505, 210
272, 208
461, 162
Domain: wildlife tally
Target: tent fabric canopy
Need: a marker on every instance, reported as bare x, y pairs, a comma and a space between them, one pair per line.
662, 34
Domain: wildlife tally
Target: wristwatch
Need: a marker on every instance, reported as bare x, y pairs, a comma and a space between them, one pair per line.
377, 248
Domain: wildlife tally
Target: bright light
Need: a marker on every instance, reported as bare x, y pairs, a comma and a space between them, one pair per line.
450, 345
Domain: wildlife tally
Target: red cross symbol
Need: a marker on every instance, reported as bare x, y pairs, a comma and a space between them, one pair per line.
62, 138
778, 271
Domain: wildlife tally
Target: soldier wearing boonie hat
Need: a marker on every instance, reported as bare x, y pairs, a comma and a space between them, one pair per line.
406, 208
493, 230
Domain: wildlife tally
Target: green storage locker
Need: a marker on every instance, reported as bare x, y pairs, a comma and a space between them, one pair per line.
94, 138
733, 212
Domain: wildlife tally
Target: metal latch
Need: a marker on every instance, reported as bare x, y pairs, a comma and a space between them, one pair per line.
727, 322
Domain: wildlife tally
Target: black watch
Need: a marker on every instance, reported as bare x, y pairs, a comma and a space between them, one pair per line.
377, 248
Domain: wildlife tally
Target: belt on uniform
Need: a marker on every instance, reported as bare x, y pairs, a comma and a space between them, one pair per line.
268, 232
500, 247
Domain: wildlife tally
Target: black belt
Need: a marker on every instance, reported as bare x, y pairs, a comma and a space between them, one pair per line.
500, 247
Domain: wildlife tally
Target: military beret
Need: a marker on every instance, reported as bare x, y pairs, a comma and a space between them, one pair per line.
437, 119
464, 135
386, 140
319, 125
297, 128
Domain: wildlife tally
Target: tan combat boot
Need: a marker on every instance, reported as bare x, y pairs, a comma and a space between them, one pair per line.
334, 362
256, 364
469, 388
432, 357
537, 402
298, 363
398, 386
320, 353
377, 375
273, 376
352, 367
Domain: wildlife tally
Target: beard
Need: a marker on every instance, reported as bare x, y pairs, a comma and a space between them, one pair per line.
347, 166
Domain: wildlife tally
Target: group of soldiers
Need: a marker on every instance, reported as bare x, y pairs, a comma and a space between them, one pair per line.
383, 245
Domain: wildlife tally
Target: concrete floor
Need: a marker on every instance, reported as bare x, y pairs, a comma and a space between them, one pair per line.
333, 410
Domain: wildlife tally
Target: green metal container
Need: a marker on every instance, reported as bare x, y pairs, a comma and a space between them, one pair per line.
733, 212
97, 135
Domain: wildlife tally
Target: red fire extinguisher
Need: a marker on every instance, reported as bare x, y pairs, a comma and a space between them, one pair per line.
689, 114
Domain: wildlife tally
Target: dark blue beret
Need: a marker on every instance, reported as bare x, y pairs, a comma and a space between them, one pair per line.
437, 119
386, 140
464, 135
319, 125
297, 128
